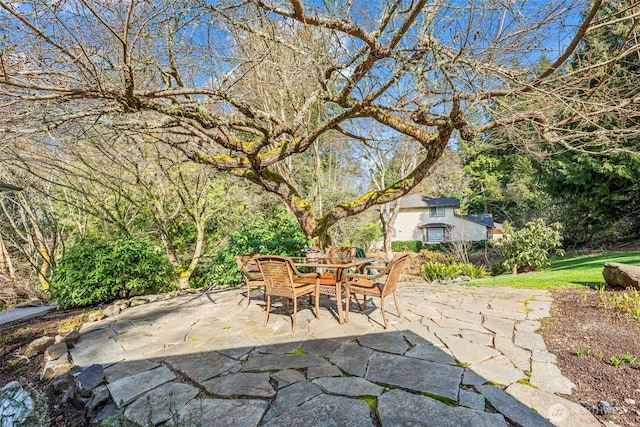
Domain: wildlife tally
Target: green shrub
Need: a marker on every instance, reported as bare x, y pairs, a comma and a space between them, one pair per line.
275, 233
406, 245
437, 257
440, 247
431, 271
472, 270
97, 271
529, 247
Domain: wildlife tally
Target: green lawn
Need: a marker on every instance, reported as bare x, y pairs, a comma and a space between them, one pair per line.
576, 270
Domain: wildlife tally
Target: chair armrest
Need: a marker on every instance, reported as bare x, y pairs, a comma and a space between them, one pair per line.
348, 276
299, 274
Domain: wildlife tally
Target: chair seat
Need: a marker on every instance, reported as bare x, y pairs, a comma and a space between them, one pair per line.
367, 287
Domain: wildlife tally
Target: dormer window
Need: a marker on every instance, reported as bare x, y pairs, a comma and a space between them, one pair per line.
436, 211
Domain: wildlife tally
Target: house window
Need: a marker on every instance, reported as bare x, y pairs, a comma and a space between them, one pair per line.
489, 233
436, 211
436, 234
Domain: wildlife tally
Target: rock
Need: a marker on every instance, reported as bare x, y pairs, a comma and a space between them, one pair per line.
15, 404
621, 275
56, 367
60, 383
56, 351
38, 346
112, 310
99, 396
71, 338
89, 379
95, 316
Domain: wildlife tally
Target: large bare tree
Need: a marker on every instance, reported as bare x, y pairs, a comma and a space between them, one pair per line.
247, 85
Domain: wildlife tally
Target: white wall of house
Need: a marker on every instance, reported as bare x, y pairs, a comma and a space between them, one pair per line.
410, 219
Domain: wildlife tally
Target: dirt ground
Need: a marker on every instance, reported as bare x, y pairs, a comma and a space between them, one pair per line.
582, 335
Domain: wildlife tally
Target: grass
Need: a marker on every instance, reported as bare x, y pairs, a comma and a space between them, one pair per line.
568, 271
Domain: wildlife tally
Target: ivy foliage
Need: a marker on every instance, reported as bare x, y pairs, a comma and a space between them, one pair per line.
95, 271
530, 246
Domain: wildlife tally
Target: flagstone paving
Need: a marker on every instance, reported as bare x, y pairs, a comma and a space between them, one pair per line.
460, 356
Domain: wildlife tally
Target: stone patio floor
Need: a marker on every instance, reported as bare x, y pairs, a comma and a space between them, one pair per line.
459, 356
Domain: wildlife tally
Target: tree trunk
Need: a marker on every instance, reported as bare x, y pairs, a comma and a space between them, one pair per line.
514, 270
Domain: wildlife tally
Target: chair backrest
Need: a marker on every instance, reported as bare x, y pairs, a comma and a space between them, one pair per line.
248, 267
393, 273
340, 252
277, 273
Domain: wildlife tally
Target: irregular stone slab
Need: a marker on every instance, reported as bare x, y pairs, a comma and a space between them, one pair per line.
482, 338
334, 411
158, 404
287, 377
105, 352
126, 389
243, 384
290, 397
89, 379
133, 341
349, 386
468, 352
469, 377
399, 408
518, 355
235, 346
505, 314
323, 371
352, 358
100, 333
432, 353
464, 315
499, 326
389, 342
561, 412
529, 340
459, 325
547, 377
471, 400
120, 370
323, 347
498, 369
415, 374
543, 356
202, 366
274, 362
223, 412
511, 408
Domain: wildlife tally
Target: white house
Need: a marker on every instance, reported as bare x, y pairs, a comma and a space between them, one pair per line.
436, 220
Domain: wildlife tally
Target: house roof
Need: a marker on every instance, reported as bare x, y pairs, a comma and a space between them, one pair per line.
8, 187
419, 201
435, 225
485, 218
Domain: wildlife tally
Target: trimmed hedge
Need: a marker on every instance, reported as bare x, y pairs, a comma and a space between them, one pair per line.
406, 245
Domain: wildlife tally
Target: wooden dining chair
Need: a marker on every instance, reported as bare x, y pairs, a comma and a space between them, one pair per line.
379, 285
250, 273
278, 275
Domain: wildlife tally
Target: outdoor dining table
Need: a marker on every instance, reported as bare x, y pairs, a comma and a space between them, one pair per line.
333, 281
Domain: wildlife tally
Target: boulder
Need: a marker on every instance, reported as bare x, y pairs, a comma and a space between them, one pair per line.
621, 275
